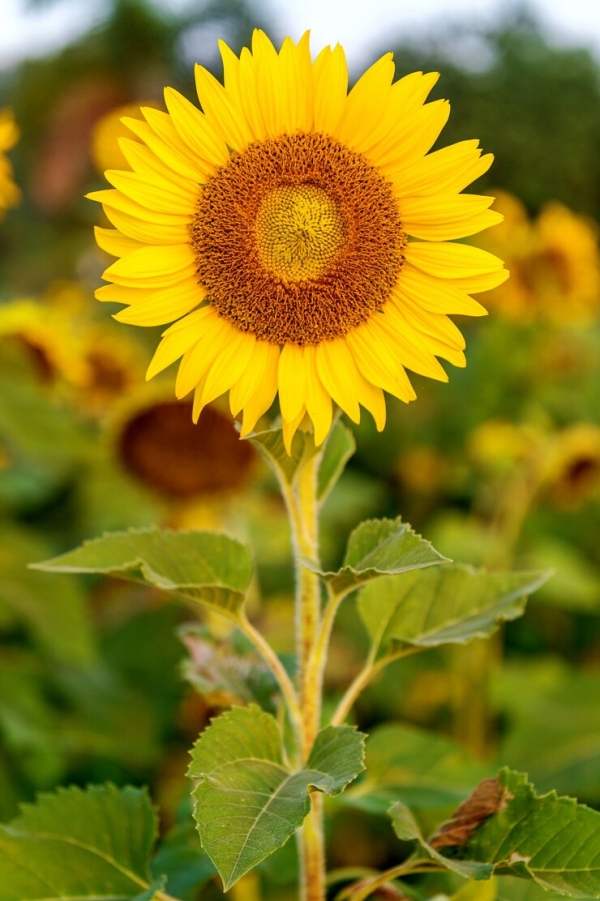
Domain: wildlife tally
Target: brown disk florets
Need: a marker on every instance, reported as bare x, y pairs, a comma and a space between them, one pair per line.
163, 448
297, 239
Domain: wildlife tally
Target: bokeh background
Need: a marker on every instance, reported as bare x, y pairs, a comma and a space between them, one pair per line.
99, 680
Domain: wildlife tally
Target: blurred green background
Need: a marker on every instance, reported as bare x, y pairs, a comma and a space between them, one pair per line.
99, 680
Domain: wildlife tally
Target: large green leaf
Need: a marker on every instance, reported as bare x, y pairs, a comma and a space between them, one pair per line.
75, 844
509, 829
425, 771
379, 547
249, 802
446, 605
339, 447
211, 569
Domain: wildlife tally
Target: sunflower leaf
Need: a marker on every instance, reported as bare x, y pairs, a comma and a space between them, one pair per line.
75, 843
378, 547
211, 569
447, 605
339, 447
286, 466
249, 802
505, 827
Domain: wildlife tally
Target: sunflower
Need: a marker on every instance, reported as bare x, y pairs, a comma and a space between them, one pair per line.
274, 226
554, 262
9, 135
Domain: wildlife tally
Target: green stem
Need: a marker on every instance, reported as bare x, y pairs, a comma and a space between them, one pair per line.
404, 869
285, 683
371, 669
302, 508
162, 896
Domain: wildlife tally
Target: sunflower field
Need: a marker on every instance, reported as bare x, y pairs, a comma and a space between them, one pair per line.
299, 463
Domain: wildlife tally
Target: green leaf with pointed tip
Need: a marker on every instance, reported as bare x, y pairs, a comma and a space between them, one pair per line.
339, 447
286, 466
447, 605
249, 802
551, 840
378, 547
77, 844
212, 569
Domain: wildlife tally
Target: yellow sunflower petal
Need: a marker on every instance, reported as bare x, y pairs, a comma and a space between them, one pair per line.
161, 307
367, 103
153, 266
228, 365
452, 229
223, 107
338, 373
297, 74
290, 428
121, 294
147, 232
265, 394
248, 383
421, 133
377, 360
444, 171
113, 242
171, 157
156, 194
436, 294
477, 283
447, 260
413, 350
196, 130
162, 125
331, 88
147, 164
113, 199
291, 378
318, 401
178, 339
197, 359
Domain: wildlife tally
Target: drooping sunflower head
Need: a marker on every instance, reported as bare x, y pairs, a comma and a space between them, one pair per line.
274, 229
9, 135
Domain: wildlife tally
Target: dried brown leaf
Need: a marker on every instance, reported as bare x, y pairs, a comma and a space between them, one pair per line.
487, 799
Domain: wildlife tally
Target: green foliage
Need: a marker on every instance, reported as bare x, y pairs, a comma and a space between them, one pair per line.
286, 466
507, 828
339, 447
75, 844
249, 801
54, 609
211, 569
378, 547
425, 771
447, 605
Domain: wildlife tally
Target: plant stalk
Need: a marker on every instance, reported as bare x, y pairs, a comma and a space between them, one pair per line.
303, 510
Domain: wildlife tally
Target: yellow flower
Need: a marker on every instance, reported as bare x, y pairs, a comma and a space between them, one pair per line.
572, 465
275, 225
9, 135
554, 263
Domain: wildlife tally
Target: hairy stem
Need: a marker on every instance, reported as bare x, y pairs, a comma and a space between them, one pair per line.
303, 508
285, 683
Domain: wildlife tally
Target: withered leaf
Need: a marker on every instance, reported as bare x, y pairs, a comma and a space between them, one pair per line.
487, 799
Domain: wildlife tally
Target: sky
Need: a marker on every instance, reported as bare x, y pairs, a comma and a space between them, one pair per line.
357, 24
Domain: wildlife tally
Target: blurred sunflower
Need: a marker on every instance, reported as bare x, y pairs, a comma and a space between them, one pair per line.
554, 264
274, 226
572, 470
9, 135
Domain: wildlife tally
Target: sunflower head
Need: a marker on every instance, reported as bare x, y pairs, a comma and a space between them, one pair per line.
274, 227
9, 135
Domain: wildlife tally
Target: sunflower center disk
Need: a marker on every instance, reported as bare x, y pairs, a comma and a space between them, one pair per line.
299, 231
297, 239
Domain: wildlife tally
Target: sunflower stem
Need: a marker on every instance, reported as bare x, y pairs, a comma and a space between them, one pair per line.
302, 507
